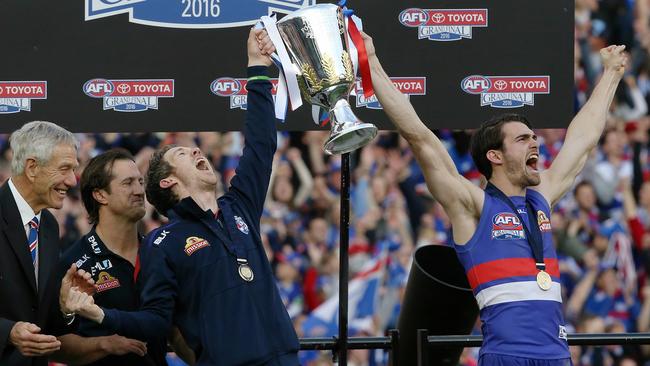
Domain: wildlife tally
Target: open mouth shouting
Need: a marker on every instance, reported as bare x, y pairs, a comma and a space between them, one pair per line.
202, 164
531, 162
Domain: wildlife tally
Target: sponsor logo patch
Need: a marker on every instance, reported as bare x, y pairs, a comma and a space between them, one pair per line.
135, 95
161, 237
194, 243
84, 258
506, 91
106, 282
17, 96
444, 25
94, 244
543, 221
507, 226
101, 266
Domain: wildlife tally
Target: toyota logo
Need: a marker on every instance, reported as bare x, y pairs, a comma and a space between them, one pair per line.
500, 84
438, 18
124, 88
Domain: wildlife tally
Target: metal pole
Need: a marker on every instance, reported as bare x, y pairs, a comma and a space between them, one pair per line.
423, 347
316, 344
394, 347
343, 260
576, 339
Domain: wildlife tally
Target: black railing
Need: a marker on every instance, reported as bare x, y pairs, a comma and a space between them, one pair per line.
390, 343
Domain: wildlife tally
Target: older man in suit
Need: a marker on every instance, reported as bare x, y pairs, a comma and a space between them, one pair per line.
42, 171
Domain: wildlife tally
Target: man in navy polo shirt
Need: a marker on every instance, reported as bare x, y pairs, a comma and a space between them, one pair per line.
207, 271
112, 190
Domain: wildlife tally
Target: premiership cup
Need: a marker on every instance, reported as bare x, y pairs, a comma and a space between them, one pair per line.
316, 40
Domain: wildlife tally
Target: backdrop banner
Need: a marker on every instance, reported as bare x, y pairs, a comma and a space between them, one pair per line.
180, 65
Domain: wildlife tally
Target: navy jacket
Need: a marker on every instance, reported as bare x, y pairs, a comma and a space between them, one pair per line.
191, 275
116, 288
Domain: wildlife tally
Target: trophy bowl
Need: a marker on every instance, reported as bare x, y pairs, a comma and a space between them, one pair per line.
316, 40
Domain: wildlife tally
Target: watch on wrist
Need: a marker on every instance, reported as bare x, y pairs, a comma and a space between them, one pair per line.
69, 318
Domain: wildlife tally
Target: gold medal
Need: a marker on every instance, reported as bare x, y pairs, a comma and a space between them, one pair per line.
245, 272
544, 280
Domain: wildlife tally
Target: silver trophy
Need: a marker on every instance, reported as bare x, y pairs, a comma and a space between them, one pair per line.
316, 40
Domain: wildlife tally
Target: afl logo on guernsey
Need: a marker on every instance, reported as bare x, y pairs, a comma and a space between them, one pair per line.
507, 226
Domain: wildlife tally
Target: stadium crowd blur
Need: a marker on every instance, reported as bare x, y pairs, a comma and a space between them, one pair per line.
601, 227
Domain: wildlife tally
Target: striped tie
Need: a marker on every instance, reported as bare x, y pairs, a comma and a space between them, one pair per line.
32, 240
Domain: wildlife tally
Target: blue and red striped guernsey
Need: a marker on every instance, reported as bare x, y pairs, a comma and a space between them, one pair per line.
518, 317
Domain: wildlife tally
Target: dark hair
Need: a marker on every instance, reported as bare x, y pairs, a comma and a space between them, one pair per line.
98, 175
582, 183
490, 137
162, 199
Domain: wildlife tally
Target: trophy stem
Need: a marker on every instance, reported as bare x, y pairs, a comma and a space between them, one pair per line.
348, 133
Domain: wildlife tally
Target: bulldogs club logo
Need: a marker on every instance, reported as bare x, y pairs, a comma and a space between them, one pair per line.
129, 95
192, 13
506, 91
444, 25
194, 243
106, 282
16, 96
507, 226
407, 85
235, 89
241, 225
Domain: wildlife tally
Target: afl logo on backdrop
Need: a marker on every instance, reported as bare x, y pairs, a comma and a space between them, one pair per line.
133, 95
98, 88
413, 17
506, 91
235, 89
475, 84
444, 25
225, 87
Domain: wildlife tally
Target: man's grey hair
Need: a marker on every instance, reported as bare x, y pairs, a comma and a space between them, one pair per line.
37, 140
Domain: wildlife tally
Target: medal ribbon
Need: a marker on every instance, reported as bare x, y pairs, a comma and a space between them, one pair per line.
235, 235
534, 238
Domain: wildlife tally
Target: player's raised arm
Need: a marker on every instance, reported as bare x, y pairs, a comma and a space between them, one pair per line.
585, 129
454, 192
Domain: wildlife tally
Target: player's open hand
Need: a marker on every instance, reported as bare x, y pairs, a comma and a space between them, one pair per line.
78, 278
